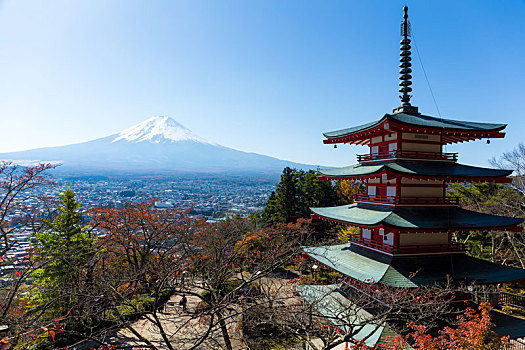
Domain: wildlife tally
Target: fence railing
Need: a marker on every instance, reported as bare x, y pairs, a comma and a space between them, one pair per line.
407, 154
511, 299
515, 344
393, 200
412, 249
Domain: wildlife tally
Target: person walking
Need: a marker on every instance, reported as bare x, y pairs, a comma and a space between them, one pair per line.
183, 302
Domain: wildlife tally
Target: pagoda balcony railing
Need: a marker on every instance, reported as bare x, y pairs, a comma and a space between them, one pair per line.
408, 249
407, 154
394, 200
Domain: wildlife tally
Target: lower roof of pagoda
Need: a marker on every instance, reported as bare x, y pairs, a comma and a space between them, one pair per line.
409, 272
415, 218
332, 302
418, 169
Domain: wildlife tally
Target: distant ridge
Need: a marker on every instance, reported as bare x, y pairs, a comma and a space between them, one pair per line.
158, 145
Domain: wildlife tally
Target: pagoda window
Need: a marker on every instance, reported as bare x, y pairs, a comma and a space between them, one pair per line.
366, 233
392, 148
371, 190
388, 237
391, 191
374, 150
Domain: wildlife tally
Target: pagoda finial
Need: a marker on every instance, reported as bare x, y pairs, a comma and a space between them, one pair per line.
405, 65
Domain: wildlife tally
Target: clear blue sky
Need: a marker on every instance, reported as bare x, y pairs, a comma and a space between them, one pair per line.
263, 76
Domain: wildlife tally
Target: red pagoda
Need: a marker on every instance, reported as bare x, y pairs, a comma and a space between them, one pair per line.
406, 219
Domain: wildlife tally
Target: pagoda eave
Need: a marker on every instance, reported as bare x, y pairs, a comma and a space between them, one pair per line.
446, 179
371, 267
417, 170
510, 228
386, 125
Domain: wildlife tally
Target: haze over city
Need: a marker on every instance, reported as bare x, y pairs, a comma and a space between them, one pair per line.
258, 76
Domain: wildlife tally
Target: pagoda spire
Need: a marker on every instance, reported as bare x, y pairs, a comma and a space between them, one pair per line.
405, 73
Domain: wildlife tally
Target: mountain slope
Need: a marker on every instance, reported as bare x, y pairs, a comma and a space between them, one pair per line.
160, 145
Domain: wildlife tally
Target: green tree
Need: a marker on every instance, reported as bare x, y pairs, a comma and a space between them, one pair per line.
498, 246
286, 196
313, 193
295, 194
64, 255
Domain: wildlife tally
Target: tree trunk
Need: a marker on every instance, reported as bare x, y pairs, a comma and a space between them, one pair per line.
224, 330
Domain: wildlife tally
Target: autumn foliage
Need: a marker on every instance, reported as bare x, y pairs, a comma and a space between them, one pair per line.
474, 332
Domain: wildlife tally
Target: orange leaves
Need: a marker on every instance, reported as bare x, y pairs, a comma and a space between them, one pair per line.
49, 331
4, 340
474, 332
58, 328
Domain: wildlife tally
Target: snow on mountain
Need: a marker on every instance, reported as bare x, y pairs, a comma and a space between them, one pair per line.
158, 145
158, 130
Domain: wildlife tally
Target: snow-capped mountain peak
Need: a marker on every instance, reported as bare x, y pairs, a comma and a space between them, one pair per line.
158, 129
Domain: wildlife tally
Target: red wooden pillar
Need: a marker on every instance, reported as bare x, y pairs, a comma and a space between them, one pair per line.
397, 238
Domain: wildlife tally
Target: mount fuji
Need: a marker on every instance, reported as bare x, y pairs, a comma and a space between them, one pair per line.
158, 145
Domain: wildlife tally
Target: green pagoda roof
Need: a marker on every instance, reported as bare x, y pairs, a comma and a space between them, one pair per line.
506, 325
333, 305
430, 218
332, 302
416, 168
411, 271
420, 120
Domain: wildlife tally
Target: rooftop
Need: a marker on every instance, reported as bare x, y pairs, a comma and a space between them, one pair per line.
416, 218
436, 170
370, 267
452, 130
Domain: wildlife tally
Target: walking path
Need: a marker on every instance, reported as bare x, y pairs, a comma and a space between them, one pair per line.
182, 328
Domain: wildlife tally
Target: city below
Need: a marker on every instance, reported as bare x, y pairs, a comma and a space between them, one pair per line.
210, 196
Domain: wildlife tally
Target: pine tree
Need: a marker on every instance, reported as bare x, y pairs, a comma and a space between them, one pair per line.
295, 194
286, 197
269, 212
313, 193
63, 253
